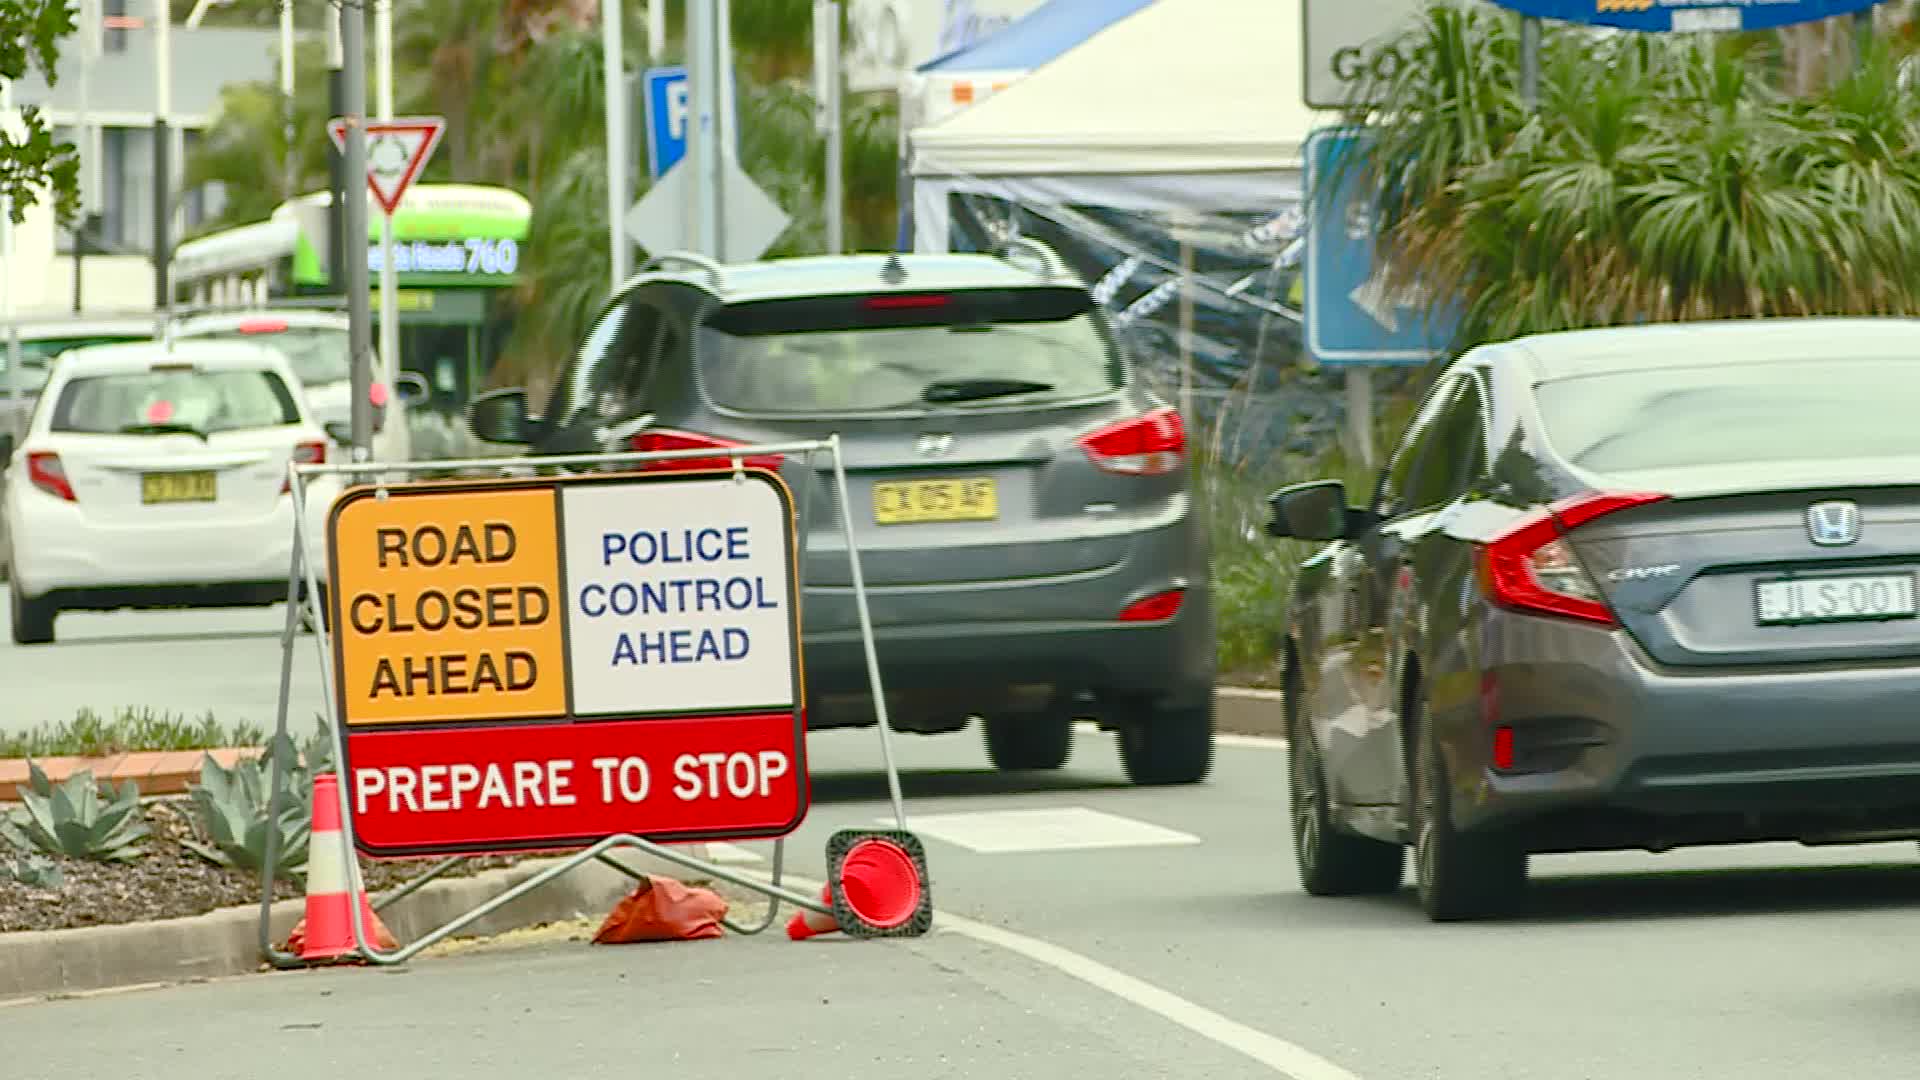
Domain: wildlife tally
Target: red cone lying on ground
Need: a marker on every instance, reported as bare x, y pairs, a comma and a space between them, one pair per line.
663, 909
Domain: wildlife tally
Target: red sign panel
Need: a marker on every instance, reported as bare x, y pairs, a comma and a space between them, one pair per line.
548, 786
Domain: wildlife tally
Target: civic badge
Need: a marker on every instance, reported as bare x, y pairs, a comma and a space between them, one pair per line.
933, 445
1833, 524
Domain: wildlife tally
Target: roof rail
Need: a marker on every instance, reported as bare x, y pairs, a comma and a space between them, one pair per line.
318, 303
685, 258
1024, 251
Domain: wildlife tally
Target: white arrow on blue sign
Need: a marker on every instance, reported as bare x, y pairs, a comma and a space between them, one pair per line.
1351, 319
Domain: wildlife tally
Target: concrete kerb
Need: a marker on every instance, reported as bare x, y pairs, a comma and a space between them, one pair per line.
1242, 711
225, 942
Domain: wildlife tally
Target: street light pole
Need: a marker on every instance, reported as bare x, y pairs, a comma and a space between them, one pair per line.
353, 48
286, 97
8, 300
827, 87
613, 50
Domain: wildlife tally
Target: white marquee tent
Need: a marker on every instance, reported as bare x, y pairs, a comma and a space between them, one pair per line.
1186, 106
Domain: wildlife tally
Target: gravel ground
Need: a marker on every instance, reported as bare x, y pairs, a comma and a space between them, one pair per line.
168, 882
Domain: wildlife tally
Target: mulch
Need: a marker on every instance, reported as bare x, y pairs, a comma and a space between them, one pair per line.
170, 881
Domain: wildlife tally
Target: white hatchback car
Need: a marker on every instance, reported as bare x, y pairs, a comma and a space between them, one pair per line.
155, 475
317, 344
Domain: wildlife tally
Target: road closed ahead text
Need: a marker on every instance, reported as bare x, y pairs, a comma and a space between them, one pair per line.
449, 607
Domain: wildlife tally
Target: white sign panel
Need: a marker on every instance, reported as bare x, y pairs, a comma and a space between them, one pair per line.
679, 596
887, 39
1347, 43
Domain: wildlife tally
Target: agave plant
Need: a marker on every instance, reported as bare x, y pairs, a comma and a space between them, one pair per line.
32, 871
74, 819
232, 811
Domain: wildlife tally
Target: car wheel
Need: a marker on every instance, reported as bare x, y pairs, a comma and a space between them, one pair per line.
1019, 742
1462, 875
32, 619
1331, 862
1169, 746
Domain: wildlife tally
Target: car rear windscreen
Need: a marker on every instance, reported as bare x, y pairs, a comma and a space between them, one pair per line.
36, 357
173, 400
1816, 409
908, 351
318, 354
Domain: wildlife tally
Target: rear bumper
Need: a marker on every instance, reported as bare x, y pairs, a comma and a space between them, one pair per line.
1615, 751
58, 552
937, 675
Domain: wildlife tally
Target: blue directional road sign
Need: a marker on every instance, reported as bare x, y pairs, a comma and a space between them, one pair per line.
1351, 319
1688, 16
666, 97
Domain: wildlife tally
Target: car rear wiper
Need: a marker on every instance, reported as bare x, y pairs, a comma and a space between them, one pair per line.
164, 429
949, 390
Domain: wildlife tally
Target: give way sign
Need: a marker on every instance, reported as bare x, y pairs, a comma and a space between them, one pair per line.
397, 150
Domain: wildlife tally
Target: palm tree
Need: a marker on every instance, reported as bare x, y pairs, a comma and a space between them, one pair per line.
1661, 178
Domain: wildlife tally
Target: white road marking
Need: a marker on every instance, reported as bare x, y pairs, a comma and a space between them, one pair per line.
1067, 828
1286, 1059
727, 854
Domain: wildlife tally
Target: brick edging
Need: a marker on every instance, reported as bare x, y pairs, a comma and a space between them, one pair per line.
164, 772
36, 964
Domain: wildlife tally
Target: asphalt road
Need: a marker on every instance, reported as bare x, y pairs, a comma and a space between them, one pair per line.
1154, 933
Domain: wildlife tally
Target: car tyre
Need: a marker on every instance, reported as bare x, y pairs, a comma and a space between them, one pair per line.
1330, 862
1028, 742
32, 619
1169, 746
1461, 875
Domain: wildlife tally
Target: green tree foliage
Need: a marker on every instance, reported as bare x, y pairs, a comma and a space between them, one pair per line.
1662, 177
32, 163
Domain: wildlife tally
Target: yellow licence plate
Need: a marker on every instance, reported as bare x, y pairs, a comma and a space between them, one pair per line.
974, 499
173, 487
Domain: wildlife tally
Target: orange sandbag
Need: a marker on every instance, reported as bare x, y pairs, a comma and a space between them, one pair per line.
663, 909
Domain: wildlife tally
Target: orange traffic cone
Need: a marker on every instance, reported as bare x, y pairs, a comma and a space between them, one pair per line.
327, 932
806, 924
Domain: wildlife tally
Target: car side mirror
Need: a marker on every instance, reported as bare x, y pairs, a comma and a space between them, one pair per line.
1311, 511
411, 388
340, 431
500, 416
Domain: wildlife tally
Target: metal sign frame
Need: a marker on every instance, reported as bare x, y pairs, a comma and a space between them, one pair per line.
303, 592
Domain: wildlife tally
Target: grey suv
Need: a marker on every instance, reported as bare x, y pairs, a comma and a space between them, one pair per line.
1023, 505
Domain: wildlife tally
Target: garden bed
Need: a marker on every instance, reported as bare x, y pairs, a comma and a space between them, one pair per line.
169, 881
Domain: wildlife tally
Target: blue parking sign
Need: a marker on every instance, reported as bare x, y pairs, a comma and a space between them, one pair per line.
1351, 319
666, 97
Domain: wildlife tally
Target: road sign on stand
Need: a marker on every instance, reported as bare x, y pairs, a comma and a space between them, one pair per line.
397, 152
537, 664
1351, 317
1345, 45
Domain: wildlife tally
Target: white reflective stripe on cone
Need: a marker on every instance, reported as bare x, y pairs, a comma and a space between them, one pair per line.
324, 874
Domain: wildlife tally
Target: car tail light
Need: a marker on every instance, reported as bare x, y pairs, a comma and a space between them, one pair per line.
1156, 608
906, 302
1503, 748
45, 472
1533, 569
263, 326
306, 453
657, 439
1149, 445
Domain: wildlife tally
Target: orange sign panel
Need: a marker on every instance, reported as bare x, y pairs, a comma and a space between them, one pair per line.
447, 606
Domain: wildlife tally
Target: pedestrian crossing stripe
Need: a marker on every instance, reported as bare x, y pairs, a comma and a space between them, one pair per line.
1068, 828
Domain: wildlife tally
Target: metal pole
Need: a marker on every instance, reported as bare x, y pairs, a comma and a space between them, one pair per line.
336, 162
162, 166
1186, 333
826, 27
389, 277
656, 31
727, 139
613, 55
286, 98
83, 127
1530, 62
866, 632
1360, 413
353, 47
703, 146
16, 378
